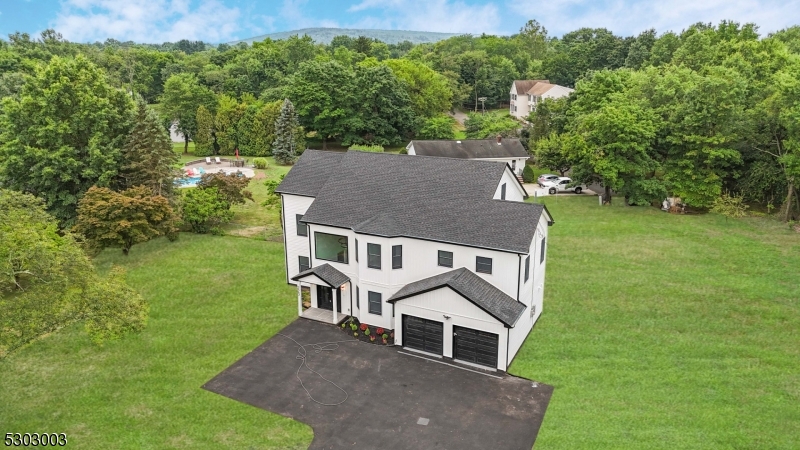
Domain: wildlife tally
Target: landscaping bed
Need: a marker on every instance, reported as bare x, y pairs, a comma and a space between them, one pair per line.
367, 333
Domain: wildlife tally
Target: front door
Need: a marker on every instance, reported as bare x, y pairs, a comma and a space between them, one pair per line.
325, 298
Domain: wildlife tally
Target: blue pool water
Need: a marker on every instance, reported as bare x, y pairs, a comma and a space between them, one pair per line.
189, 182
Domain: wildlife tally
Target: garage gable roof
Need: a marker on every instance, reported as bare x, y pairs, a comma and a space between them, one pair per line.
480, 292
326, 273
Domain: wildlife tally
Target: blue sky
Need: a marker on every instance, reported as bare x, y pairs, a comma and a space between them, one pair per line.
227, 20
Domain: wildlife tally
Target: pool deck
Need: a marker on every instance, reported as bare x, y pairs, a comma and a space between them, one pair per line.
223, 167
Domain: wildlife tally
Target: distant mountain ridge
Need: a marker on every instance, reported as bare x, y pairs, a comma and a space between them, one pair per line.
325, 35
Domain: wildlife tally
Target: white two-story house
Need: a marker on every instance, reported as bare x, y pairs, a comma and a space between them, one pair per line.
526, 94
443, 251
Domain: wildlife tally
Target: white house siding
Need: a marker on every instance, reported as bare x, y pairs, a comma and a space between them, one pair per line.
521, 103
295, 245
531, 292
518, 167
376, 280
410, 148
436, 304
421, 261
514, 191
557, 92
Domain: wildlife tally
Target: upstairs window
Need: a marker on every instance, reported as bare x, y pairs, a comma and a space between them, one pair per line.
527, 267
503, 191
397, 257
304, 263
483, 265
445, 258
541, 258
356, 250
302, 228
374, 256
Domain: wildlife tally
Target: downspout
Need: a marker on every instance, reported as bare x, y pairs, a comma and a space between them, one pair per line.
285, 246
508, 345
519, 272
310, 256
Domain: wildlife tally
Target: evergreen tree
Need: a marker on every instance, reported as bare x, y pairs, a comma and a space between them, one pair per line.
283, 149
148, 158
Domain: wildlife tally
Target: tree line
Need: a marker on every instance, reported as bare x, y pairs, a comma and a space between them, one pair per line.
715, 116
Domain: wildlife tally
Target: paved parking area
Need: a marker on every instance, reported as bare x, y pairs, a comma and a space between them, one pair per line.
388, 399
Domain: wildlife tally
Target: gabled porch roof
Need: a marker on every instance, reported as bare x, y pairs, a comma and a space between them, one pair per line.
326, 273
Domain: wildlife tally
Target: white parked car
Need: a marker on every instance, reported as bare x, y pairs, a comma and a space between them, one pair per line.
546, 177
563, 184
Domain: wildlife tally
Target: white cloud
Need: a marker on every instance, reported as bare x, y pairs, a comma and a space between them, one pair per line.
431, 15
629, 17
146, 20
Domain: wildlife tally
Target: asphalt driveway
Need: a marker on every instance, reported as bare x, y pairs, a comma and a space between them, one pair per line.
386, 395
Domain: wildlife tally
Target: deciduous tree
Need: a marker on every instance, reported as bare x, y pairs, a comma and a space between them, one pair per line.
124, 219
63, 134
183, 94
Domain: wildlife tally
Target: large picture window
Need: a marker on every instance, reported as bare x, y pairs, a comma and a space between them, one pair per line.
397, 257
374, 256
375, 303
445, 258
330, 247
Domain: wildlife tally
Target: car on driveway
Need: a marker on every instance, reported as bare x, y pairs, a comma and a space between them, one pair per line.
546, 177
563, 184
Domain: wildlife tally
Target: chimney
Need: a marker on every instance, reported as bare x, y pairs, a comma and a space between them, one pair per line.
499, 139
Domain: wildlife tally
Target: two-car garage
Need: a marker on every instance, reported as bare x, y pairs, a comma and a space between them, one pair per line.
468, 345
458, 315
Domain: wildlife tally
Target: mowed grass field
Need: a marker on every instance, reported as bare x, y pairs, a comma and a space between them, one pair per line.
664, 331
658, 332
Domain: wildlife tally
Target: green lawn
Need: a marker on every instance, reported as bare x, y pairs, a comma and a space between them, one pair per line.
658, 332
213, 299
665, 331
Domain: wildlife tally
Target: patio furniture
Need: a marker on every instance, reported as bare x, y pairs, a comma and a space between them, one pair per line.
208, 160
217, 160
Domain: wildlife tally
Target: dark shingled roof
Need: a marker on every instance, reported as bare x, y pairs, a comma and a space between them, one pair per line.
438, 199
326, 273
310, 173
471, 148
472, 287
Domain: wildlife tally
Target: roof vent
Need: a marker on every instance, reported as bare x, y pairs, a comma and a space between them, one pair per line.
458, 142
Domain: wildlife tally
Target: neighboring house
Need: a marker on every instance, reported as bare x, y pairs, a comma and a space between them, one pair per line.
526, 94
443, 251
509, 151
